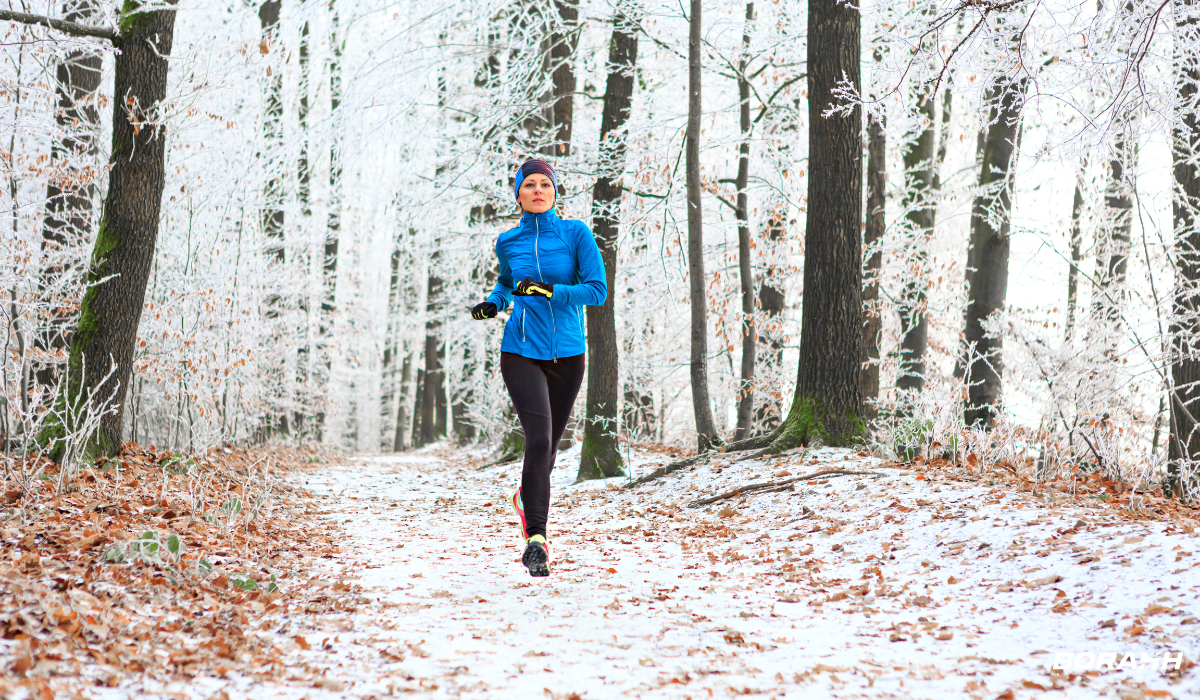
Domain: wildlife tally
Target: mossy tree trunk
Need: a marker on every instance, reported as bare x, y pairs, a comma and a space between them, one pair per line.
102, 346
828, 400
987, 256
601, 456
69, 202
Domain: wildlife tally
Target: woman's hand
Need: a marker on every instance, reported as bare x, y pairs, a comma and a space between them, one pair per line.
529, 287
485, 310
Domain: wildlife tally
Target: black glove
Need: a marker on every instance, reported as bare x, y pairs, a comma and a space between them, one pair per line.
485, 310
530, 287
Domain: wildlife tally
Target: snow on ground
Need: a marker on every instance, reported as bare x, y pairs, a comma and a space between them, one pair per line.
884, 585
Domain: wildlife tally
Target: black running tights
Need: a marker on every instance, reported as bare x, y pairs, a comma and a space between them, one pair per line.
543, 392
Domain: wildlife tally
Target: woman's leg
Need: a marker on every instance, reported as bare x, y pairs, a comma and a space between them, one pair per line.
563, 379
527, 385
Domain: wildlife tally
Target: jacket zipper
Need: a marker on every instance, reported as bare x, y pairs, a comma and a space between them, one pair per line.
537, 232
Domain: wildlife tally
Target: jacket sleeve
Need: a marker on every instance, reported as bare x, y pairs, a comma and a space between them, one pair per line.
592, 288
501, 294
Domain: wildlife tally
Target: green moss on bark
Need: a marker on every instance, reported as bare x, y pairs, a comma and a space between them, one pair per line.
592, 467
809, 419
131, 21
53, 432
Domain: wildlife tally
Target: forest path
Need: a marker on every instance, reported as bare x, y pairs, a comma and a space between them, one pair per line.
898, 585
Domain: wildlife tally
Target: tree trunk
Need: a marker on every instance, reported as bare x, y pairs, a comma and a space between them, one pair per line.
1185, 370
745, 407
392, 347
562, 53
433, 392
920, 165
1076, 258
1116, 229
69, 202
418, 406
828, 399
333, 227
772, 302
706, 431
272, 215
873, 234
600, 456
987, 284
398, 442
106, 337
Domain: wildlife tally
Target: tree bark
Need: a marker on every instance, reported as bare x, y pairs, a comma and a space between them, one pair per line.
398, 441
69, 202
600, 456
106, 336
1076, 258
1185, 370
433, 391
920, 166
828, 399
392, 347
272, 214
1116, 230
333, 226
706, 431
772, 302
873, 233
745, 406
987, 284
562, 53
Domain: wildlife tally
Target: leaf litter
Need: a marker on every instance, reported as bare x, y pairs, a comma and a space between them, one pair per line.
919, 580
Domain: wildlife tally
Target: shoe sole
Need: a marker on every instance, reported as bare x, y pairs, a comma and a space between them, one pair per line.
536, 560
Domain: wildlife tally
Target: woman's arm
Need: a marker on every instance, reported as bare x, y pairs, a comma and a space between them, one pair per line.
501, 294
592, 288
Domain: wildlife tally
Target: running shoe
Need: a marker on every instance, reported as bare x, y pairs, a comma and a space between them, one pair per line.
537, 556
520, 508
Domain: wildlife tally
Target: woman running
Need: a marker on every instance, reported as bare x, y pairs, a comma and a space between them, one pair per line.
550, 269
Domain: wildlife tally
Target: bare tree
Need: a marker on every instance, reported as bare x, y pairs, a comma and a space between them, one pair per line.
706, 430
828, 399
103, 344
601, 456
745, 406
987, 256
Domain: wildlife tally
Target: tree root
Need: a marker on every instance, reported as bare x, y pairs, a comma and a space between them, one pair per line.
670, 468
768, 486
757, 442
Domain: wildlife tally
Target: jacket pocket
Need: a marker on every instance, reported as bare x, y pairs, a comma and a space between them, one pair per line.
522, 324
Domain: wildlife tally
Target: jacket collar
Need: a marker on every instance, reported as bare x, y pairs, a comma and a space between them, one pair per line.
528, 220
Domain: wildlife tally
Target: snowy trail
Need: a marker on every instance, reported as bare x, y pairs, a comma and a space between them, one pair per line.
890, 586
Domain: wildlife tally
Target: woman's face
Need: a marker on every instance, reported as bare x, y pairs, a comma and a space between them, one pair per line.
537, 194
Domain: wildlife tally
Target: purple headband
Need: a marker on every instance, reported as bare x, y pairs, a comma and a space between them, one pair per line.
530, 167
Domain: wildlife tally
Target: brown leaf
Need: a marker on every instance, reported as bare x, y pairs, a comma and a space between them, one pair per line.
83, 543
298, 639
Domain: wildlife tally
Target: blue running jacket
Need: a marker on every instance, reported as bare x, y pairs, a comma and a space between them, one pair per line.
563, 253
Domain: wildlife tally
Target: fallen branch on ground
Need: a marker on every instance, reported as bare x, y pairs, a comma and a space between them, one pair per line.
764, 486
